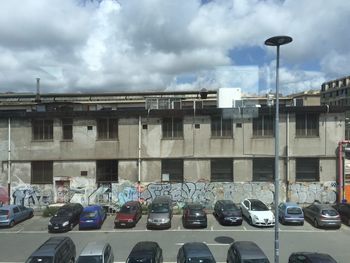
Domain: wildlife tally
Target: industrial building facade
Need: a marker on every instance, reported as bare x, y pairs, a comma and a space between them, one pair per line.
111, 148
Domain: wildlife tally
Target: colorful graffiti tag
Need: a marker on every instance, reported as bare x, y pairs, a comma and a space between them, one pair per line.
28, 195
3, 195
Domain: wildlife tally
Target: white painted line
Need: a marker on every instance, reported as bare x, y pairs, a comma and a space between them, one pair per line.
245, 229
178, 228
212, 228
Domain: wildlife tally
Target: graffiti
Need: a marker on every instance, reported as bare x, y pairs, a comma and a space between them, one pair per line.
28, 195
308, 193
3, 195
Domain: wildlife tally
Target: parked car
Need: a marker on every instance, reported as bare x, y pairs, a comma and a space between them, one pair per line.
195, 252
291, 213
344, 212
227, 212
128, 215
160, 212
310, 257
12, 214
96, 252
66, 218
194, 216
56, 249
257, 213
245, 251
145, 252
322, 215
92, 216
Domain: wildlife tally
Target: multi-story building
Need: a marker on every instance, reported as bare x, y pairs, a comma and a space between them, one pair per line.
336, 92
111, 148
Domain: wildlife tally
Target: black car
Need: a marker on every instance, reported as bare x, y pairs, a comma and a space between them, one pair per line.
245, 251
55, 249
344, 212
227, 212
194, 216
145, 252
195, 252
310, 257
66, 218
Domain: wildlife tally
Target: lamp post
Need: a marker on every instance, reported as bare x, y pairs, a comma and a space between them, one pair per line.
277, 41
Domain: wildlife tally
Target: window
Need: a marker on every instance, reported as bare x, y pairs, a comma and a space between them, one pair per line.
107, 129
307, 124
172, 128
174, 168
307, 169
263, 126
221, 127
42, 130
106, 171
42, 172
67, 129
263, 169
221, 170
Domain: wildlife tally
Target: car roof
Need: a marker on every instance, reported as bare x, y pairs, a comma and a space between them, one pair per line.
291, 204
315, 257
194, 206
249, 249
224, 202
144, 249
49, 247
196, 249
92, 208
93, 248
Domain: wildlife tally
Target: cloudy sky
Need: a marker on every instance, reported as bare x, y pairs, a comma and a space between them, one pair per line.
162, 45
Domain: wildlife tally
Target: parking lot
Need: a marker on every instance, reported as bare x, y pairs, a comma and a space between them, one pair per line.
28, 235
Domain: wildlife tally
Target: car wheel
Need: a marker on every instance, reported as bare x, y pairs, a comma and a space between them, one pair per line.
12, 223
316, 223
250, 221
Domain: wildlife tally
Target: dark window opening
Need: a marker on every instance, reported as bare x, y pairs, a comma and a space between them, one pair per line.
42, 130
307, 169
221, 127
106, 171
67, 129
107, 129
263, 126
263, 169
42, 172
221, 170
307, 124
174, 168
172, 128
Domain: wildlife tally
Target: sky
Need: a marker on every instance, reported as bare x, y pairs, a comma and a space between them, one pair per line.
88, 46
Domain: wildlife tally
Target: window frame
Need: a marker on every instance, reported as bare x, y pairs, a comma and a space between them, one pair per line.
175, 169
301, 164
221, 170
108, 130
264, 126
42, 129
46, 170
307, 125
172, 128
221, 127
107, 171
260, 168
67, 129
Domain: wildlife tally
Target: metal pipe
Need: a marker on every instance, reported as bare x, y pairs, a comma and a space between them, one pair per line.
287, 156
139, 153
9, 163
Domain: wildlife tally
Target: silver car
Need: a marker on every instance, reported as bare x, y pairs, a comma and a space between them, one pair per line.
160, 213
322, 215
96, 252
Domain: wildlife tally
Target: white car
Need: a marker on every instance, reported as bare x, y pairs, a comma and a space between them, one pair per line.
257, 213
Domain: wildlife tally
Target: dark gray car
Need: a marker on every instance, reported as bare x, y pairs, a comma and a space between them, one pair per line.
195, 252
310, 257
245, 252
322, 215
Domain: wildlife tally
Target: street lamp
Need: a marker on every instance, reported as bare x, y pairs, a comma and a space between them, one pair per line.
277, 41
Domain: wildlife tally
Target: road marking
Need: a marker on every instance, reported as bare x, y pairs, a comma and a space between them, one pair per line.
212, 228
245, 229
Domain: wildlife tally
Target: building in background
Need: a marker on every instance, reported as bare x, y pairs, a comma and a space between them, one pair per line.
112, 148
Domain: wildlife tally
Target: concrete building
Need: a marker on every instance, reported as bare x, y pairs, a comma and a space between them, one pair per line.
111, 148
336, 92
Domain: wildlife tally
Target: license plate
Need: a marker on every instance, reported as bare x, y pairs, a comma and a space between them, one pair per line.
122, 224
56, 227
89, 221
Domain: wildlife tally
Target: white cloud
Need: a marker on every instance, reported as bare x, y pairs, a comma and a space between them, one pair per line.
126, 45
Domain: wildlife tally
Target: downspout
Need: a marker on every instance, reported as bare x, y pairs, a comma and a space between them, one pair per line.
287, 157
9, 162
340, 169
139, 153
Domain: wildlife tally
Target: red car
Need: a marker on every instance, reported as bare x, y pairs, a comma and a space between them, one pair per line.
128, 215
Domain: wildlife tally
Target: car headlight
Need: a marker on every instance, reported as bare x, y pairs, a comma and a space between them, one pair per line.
130, 220
149, 220
166, 220
65, 223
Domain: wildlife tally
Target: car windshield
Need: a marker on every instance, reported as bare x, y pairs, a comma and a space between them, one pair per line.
200, 260
3, 212
329, 212
230, 207
91, 214
159, 208
90, 259
255, 260
40, 260
62, 212
127, 209
259, 206
294, 211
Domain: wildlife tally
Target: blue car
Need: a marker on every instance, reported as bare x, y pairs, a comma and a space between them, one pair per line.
12, 214
290, 213
92, 216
